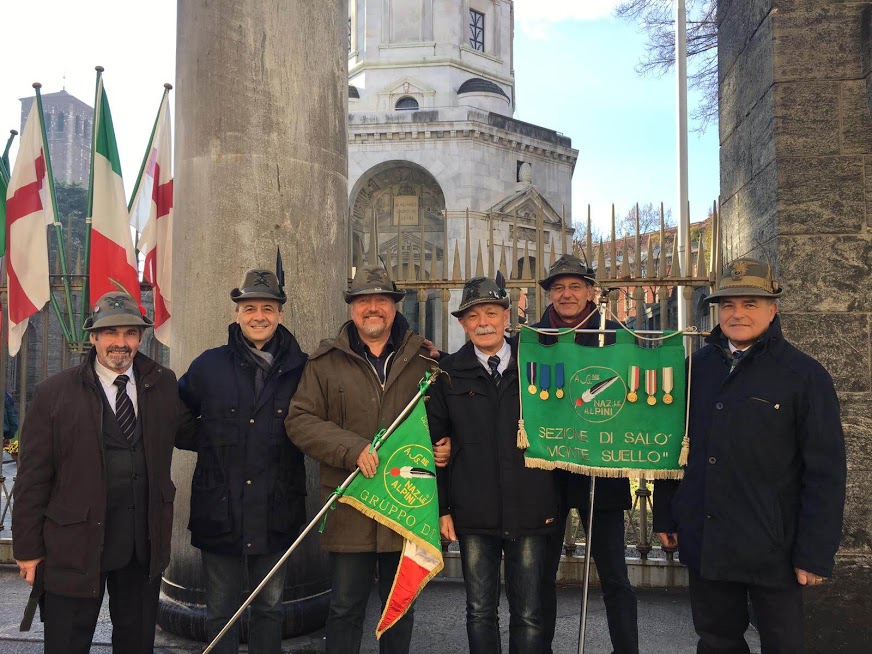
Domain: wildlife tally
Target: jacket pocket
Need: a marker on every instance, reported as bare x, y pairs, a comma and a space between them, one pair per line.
219, 426
67, 536
770, 403
210, 510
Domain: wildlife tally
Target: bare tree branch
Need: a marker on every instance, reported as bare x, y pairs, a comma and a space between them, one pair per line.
656, 19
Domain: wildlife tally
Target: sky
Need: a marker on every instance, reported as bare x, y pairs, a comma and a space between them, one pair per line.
574, 72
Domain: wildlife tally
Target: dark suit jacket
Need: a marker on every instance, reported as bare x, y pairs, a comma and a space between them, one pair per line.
61, 490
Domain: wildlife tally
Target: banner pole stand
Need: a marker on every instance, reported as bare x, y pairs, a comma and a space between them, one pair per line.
586, 580
345, 484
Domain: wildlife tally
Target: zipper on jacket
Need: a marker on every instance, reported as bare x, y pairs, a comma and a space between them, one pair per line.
774, 405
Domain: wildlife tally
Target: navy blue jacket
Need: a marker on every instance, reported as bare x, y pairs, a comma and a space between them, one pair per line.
764, 487
486, 487
249, 486
612, 494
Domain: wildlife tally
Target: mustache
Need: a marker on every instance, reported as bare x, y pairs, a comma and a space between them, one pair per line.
119, 350
374, 314
484, 330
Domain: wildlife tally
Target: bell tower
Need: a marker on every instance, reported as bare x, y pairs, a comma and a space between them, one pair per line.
424, 54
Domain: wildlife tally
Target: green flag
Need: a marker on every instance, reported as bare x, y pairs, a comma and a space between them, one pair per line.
4, 185
613, 411
403, 497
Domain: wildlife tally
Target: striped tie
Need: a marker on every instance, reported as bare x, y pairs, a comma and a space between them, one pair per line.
494, 363
124, 413
737, 356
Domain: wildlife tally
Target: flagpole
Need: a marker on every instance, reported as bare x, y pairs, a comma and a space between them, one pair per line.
167, 88
86, 278
67, 330
582, 628
12, 134
422, 387
684, 254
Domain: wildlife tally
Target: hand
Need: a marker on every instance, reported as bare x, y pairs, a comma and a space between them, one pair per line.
27, 569
368, 462
669, 541
433, 353
807, 578
446, 527
442, 452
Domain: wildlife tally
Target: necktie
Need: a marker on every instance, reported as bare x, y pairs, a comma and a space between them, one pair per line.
494, 364
124, 412
737, 355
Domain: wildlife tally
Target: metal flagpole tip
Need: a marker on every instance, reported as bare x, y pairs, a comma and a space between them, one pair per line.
36, 85
99, 69
14, 132
168, 86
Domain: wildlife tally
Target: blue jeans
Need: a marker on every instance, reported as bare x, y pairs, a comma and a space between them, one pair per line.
524, 564
607, 551
352, 576
223, 576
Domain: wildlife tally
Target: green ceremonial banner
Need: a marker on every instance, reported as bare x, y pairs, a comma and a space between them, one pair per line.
403, 496
613, 411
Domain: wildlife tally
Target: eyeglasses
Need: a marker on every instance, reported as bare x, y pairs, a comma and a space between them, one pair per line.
573, 288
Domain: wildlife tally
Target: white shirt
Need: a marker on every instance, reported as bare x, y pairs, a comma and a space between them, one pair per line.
505, 354
107, 380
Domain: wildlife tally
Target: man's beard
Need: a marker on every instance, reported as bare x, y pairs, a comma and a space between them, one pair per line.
374, 330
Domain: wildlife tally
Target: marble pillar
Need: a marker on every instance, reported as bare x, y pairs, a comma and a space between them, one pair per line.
261, 161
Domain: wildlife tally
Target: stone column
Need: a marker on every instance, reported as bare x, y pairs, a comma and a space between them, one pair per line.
261, 161
796, 165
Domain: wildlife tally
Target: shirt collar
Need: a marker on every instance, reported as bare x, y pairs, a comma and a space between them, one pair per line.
733, 348
505, 354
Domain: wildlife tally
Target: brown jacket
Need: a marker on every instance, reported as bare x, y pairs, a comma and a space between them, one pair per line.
337, 409
61, 493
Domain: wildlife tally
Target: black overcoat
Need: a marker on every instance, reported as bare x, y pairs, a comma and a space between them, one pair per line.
248, 493
486, 487
61, 488
764, 488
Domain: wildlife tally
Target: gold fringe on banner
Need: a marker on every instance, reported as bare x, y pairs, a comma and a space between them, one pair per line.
603, 472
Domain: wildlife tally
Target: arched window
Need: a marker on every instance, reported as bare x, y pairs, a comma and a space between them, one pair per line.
406, 103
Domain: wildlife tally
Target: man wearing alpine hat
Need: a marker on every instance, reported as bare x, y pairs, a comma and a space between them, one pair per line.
488, 500
94, 498
570, 287
759, 512
354, 385
248, 493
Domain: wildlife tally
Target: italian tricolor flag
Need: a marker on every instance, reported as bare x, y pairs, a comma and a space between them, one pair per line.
403, 497
112, 256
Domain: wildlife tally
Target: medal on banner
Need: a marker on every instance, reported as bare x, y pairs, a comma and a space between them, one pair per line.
559, 380
544, 381
668, 385
651, 386
531, 377
633, 380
